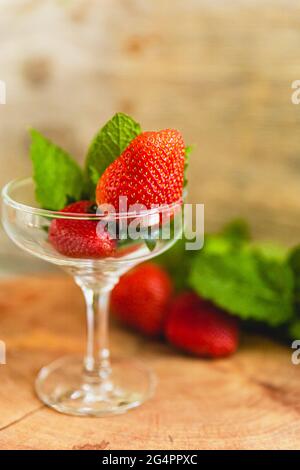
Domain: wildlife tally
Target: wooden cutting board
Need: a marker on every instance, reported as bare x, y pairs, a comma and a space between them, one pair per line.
248, 401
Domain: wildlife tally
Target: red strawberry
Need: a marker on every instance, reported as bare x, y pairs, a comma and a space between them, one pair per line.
141, 297
79, 238
149, 171
199, 327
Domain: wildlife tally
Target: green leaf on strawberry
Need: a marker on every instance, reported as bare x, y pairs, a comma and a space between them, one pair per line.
107, 145
58, 178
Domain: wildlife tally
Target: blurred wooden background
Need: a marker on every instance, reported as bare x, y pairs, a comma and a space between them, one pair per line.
220, 71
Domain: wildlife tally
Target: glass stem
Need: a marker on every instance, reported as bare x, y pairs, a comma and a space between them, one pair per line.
97, 367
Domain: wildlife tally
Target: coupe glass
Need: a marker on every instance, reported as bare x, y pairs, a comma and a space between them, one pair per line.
95, 385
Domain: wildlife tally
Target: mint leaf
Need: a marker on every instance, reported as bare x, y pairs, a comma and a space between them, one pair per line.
243, 281
107, 145
58, 178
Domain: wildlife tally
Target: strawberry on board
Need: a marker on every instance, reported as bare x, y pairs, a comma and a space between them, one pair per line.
79, 238
150, 171
198, 327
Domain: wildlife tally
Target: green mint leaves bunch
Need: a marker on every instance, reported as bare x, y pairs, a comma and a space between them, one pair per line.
254, 281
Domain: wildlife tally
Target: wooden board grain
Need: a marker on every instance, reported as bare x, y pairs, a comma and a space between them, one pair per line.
248, 401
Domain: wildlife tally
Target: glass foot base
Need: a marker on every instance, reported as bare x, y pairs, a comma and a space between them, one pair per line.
60, 386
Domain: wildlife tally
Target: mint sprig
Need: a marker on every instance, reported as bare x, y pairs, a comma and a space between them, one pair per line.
244, 281
253, 281
58, 178
107, 145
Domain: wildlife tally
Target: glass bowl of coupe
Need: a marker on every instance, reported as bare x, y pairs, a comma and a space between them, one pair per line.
96, 244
